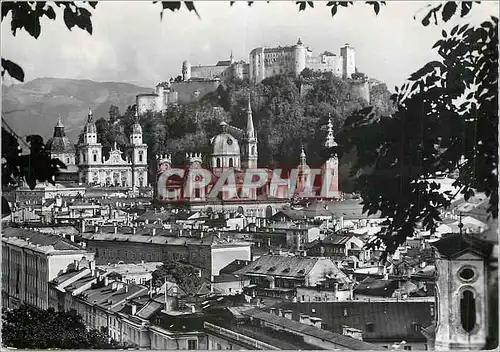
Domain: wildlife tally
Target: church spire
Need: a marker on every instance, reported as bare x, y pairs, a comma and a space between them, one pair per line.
250, 128
330, 140
302, 155
231, 57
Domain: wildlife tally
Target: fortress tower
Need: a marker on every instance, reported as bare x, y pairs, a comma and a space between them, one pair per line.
300, 52
348, 61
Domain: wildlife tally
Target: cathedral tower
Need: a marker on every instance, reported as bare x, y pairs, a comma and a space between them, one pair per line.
250, 153
89, 152
138, 155
330, 179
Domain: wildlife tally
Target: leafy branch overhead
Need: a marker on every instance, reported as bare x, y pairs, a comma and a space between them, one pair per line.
431, 133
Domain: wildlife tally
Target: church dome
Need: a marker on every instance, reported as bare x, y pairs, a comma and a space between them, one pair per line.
59, 143
225, 144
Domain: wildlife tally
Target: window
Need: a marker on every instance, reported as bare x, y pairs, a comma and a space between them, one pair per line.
95, 157
219, 347
466, 274
370, 327
230, 162
407, 348
218, 162
197, 193
140, 157
192, 344
468, 310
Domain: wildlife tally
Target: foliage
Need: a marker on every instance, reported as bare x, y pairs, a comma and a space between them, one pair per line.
31, 328
38, 166
447, 110
183, 274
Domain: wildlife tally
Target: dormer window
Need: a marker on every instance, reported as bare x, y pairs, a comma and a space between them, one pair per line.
257, 267
286, 270
301, 271
271, 269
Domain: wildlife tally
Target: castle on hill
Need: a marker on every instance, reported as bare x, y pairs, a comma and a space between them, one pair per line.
198, 80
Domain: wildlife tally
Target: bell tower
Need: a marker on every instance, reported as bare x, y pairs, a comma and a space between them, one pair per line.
138, 155
461, 292
330, 178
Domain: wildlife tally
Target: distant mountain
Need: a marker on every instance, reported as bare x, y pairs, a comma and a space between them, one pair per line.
33, 107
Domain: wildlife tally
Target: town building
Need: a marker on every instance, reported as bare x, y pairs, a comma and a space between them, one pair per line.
29, 261
206, 252
278, 276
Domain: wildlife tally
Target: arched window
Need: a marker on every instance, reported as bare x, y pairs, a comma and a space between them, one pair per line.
253, 150
218, 162
468, 310
140, 157
230, 162
95, 157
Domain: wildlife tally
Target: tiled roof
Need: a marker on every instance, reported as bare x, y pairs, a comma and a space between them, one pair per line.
338, 339
390, 321
45, 242
289, 266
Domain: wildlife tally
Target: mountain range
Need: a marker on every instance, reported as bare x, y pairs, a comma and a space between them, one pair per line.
33, 107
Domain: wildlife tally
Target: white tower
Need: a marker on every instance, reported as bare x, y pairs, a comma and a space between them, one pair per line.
461, 292
138, 155
89, 152
330, 180
250, 153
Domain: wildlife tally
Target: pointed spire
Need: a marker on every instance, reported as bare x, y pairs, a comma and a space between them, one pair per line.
59, 122
136, 115
231, 57
90, 116
114, 146
250, 128
302, 155
330, 139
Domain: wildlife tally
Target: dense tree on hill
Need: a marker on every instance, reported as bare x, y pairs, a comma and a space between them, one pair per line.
27, 327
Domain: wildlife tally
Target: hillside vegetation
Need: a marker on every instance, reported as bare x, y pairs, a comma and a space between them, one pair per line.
284, 119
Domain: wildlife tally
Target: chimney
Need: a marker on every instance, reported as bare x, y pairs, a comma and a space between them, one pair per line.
126, 288
83, 226
154, 231
288, 314
280, 312
134, 230
96, 229
92, 268
134, 309
304, 319
106, 281
76, 264
116, 230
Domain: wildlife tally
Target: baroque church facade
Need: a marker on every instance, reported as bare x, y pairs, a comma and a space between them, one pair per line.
85, 161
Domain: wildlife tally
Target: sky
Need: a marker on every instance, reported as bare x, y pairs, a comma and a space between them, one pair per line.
130, 43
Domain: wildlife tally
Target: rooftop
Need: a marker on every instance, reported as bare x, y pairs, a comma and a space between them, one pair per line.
47, 243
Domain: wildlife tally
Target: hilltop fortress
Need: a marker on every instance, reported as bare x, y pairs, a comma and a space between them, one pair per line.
196, 81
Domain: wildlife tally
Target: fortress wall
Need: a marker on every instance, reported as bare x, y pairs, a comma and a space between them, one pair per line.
360, 89
146, 103
191, 91
209, 72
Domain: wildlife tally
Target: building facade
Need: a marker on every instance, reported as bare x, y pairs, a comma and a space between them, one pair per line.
29, 261
127, 168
